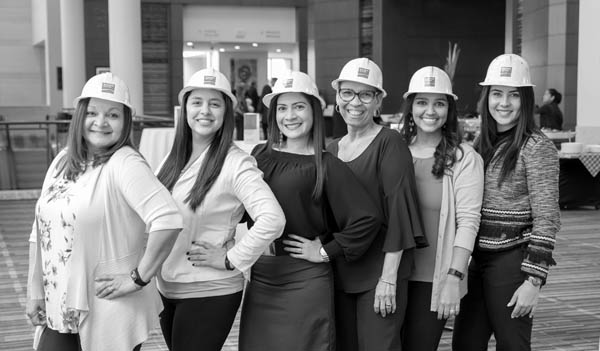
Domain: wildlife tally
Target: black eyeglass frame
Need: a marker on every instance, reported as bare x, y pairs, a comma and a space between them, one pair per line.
354, 94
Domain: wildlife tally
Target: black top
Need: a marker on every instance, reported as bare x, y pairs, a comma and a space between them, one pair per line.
385, 170
345, 219
550, 116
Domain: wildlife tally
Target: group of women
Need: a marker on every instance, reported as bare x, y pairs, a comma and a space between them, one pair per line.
369, 243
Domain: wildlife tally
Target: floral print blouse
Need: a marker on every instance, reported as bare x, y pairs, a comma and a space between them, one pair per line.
55, 217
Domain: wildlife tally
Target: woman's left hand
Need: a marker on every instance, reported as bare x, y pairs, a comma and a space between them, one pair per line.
525, 300
111, 286
385, 298
449, 303
204, 254
304, 248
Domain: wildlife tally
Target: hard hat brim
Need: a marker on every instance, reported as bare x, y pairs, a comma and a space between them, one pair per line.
426, 92
267, 98
514, 85
79, 98
190, 88
335, 85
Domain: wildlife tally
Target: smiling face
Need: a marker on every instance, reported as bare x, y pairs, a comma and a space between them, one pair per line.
504, 104
103, 126
356, 113
205, 110
294, 116
430, 112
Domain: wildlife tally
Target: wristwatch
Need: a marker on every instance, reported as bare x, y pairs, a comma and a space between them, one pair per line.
535, 281
228, 264
324, 255
456, 273
135, 276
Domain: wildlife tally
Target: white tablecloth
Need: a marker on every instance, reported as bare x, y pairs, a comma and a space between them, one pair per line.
155, 144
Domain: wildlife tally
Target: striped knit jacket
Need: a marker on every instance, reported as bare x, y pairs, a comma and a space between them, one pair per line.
523, 210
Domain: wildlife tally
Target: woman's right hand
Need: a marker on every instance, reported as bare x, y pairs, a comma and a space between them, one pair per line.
36, 311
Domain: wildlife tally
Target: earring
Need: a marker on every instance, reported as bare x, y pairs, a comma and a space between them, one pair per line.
280, 140
337, 108
411, 125
377, 112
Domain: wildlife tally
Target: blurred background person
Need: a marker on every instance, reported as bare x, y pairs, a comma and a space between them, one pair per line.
212, 182
371, 292
449, 179
90, 260
551, 116
289, 300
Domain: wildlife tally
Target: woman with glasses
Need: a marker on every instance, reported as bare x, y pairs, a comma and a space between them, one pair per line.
371, 292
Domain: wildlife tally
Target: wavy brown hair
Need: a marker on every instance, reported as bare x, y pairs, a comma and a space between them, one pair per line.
445, 151
181, 151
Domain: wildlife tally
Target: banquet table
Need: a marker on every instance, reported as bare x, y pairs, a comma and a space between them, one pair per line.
579, 181
155, 144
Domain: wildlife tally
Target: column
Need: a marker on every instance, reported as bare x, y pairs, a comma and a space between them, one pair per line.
588, 73
52, 56
72, 49
125, 46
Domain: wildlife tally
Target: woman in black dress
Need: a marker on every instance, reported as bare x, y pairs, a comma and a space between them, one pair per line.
371, 292
289, 301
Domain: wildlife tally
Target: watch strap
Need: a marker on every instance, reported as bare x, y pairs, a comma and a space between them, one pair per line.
228, 264
456, 273
135, 276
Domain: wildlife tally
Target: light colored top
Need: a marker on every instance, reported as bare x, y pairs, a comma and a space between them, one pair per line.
429, 189
55, 216
460, 215
239, 186
120, 200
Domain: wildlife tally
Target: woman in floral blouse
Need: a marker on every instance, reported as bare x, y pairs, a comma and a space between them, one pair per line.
90, 259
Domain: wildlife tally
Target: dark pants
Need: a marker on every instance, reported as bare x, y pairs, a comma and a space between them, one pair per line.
360, 329
51, 340
493, 279
199, 323
422, 329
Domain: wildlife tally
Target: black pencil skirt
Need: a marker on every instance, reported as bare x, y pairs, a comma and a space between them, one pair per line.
288, 305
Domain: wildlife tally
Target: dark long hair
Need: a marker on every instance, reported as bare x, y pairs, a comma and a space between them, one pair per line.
182, 151
76, 160
556, 95
317, 138
488, 142
445, 152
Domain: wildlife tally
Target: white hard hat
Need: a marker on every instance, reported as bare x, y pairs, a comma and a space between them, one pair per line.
509, 70
208, 78
106, 86
361, 70
294, 82
430, 79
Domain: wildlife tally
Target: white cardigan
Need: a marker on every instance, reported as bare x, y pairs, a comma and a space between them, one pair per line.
238, 187
460, 214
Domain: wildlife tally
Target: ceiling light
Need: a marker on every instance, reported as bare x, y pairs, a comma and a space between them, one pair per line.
237, 47
255, 45
278, 50
190, 43
221, 49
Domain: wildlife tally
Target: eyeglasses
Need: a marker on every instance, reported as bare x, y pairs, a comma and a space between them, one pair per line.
365, 96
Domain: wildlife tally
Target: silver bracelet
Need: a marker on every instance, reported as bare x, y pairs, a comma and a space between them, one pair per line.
385, 281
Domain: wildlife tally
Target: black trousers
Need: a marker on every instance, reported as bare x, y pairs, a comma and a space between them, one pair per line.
360, 329
493, 279
51, 340
422, 330
199, 323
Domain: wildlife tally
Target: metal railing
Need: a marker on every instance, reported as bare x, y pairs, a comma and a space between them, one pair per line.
54, 139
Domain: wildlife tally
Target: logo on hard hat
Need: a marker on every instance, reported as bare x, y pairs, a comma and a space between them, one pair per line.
108, 88
288, 83
430, 81
363, 73
505, 71
210, 80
